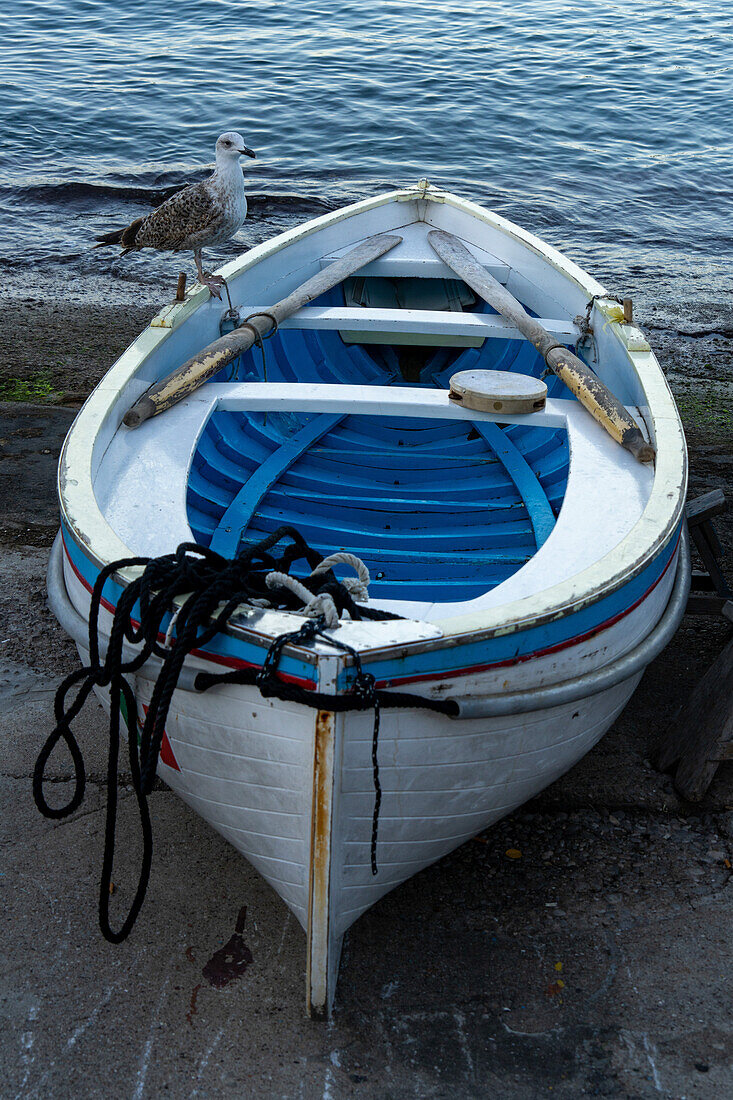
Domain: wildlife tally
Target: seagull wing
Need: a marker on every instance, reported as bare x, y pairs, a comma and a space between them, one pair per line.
188, 214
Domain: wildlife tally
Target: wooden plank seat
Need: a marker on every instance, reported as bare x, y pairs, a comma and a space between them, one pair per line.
422, 322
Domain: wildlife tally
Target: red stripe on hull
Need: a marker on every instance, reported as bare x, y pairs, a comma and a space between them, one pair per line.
522, 658
166, 749
232, 662
214, 658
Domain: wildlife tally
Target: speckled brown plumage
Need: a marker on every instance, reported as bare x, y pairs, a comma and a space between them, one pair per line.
201, 215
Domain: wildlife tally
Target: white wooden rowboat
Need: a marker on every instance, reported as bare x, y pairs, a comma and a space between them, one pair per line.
536, 565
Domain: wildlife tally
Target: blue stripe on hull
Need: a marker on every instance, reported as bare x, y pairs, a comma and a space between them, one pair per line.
449, 660
522, 645
230, 651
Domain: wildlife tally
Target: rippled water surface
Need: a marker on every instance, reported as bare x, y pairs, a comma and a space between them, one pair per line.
606, 128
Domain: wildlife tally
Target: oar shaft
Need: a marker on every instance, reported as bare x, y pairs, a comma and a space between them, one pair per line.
185, 379
579, 378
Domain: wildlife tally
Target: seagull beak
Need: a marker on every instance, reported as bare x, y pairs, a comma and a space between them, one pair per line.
248, 152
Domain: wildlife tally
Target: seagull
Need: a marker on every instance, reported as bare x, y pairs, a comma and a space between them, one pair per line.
201, 215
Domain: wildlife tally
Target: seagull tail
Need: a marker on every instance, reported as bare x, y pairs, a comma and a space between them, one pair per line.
125, 237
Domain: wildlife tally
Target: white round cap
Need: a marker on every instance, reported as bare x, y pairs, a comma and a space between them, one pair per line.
498, 391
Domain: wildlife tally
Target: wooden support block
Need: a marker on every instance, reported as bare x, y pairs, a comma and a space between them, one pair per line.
702, 734
710, 551
699, 513
701, 581
705, 603
705, 506
711, 537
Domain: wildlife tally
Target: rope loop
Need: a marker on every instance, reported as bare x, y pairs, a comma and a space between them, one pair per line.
284, 580
180, 602
320, 606
175, 606
262, 313
258, 338
357, 588
256, 334
583, 322
323, 607
552, 348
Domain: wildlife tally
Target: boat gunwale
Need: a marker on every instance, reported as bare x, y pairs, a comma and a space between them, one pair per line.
494, 703
662, 512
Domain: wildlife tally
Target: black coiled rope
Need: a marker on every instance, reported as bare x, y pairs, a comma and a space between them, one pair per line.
207, 580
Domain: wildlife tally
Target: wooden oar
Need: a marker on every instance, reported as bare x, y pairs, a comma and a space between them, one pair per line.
580, 379
188, 377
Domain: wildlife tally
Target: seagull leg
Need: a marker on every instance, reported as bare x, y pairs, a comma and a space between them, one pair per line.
213, 282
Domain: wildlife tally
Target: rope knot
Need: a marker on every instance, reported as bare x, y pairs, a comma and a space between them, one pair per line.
357, 587
195, 591
363, 687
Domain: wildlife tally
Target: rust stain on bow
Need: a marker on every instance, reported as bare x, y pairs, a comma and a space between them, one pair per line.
320, 864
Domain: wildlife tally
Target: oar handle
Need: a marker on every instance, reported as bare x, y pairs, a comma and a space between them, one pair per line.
190, 375
577, 376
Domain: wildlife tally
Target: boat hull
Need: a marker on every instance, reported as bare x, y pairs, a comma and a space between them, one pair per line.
530, 567
292, 788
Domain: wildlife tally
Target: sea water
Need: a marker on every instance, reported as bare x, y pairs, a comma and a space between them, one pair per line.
606, 128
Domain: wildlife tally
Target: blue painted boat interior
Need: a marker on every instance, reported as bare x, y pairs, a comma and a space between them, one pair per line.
438, 510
